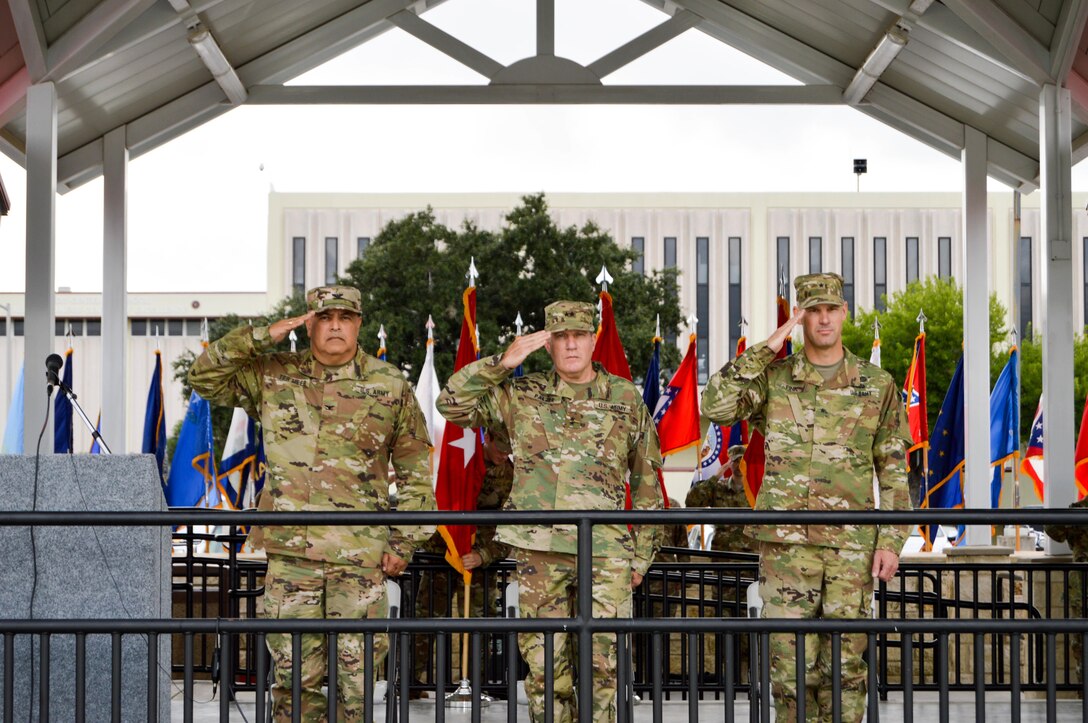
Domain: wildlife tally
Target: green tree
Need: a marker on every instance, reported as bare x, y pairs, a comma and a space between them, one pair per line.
1031, 380
942, 302
416, 267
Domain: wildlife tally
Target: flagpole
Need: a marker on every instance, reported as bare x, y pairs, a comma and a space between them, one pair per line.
922, 318
1016, 453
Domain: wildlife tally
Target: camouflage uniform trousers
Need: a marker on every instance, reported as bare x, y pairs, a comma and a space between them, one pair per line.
297, 588
547, 584
811, 581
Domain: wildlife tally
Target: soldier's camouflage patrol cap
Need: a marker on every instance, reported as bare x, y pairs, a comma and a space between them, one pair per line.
815, 289
335, 297
735, 451
569, 316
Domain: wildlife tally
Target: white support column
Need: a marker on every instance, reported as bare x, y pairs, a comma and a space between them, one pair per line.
976, 332
41, 200
114, 289
1056, 229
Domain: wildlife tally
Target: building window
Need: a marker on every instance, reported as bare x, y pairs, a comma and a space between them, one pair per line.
18, 324
63, 327
880, 272
638, 245
1026, 329
702, 307
192, 327
782, 269
734, 294
362, 244
670, 263
912, 258
298, 265
94, 327
848, 273
331, 260
138, 327
815, 254
944, 257
175, 327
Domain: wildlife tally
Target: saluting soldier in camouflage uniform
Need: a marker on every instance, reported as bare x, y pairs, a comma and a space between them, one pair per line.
333, 419
830, 421
576, 431
433, 593
725, 488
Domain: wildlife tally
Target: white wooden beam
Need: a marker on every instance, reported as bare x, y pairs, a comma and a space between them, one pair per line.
573, 94
28, 28
545, 27
649, 40
1066, 41
200, 105
82, 40
1026, 53
443, 42
114, 290
976, 333
1056, 291
900, 111
41, 204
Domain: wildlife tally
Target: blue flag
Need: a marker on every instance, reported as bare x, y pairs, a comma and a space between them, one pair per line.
192, 481
944, 487
13, 429
651, 388
63, 442
1004, 424
155, 418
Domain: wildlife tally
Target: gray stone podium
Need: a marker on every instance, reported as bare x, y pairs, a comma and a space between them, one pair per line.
85, 572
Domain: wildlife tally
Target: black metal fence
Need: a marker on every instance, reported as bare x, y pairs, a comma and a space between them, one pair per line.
940, 628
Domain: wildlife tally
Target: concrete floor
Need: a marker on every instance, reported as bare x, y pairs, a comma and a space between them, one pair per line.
961, 708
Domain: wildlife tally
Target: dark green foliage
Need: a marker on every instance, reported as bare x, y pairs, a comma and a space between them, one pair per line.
416, 267
942, 302
1031, 380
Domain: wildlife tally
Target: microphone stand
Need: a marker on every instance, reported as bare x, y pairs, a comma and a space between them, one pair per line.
55, 380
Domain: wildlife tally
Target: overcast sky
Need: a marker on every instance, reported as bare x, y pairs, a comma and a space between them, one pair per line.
198, 205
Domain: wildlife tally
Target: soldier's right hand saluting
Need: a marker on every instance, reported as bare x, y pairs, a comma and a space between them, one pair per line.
522, 347
778, 338
280, 329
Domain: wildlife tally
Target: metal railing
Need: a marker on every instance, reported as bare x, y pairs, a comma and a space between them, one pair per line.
902, 634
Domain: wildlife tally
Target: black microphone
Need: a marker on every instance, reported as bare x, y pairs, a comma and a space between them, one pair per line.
53, 363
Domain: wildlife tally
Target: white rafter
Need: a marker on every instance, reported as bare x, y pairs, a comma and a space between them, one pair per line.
28, 27
1027, 54
443, 42
649, 40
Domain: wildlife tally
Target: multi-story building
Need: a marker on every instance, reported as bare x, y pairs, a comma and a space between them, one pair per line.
731, 249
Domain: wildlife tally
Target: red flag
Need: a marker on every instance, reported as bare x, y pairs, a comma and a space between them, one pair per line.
1080, 459
914, 395
677, 413
461, 465
609, 349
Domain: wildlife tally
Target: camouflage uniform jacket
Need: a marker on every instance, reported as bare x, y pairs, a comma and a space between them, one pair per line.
823, 442
722, 491
329, 436
1075, 536
568, 454
493, 493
